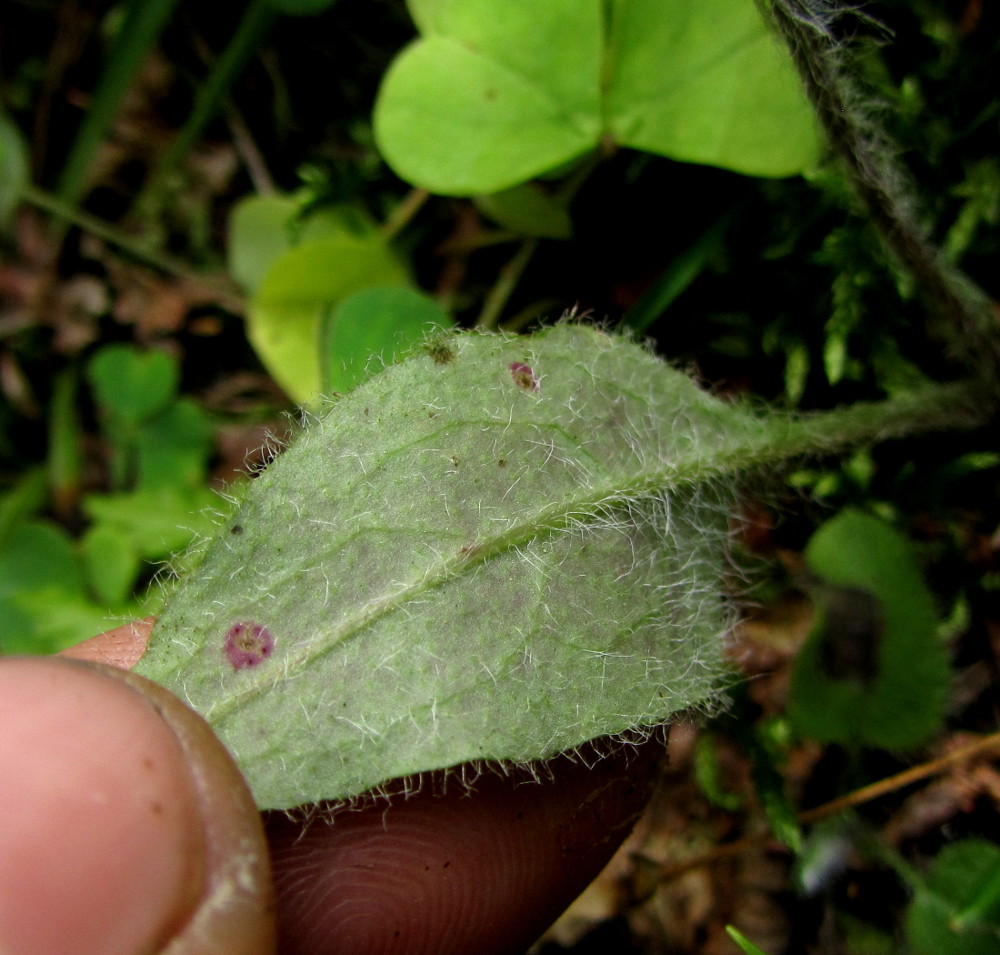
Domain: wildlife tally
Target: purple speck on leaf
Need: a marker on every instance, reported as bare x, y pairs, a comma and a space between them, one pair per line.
523, 376
247, 644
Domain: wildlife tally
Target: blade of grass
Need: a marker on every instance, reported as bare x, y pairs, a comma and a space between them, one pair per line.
681, 272
744, 943
142, 24
503, 288
229, 295
254, 26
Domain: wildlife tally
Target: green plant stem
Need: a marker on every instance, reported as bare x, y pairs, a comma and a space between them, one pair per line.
404, 213
478, 240
806, 27
510, 275
873, 847
254, 25
96, 226
536, 310
934, 408
253, 159
142, 24
785, 440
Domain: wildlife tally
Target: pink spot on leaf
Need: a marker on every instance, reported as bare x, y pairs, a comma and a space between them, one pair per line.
523, 376
247, 644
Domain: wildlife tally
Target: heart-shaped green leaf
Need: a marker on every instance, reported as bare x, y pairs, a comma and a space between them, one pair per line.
493, 93
372, 327
173, 447
874, 670
304, 284
707, 82
132, 385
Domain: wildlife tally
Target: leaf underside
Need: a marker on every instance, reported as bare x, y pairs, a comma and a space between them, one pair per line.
497, 549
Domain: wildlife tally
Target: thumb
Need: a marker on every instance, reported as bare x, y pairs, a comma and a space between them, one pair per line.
135, 831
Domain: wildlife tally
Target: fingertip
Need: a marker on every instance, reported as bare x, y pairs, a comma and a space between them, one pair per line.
117, 846
121, 647
104, 856
236, 912
485, 871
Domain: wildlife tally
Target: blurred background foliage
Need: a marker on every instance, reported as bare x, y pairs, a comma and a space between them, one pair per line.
214, 212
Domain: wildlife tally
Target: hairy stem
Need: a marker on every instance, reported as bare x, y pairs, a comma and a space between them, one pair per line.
935, 408
806, 27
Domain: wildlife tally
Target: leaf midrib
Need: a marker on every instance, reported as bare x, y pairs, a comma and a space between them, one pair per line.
546, 520
756, 447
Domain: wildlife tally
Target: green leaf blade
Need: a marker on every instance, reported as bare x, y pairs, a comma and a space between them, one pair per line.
744, 943
15, 175
957, 911
304, 284
530, 41
495, 94
132, 385
874, 670
466, 560
259, 231
371, 326
44, 606
708, 83
456, 122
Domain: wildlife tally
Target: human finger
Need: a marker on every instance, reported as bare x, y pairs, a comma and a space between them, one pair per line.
135, 831
517, 851
484, 870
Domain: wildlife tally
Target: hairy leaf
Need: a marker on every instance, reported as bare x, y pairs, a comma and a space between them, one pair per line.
495, 550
